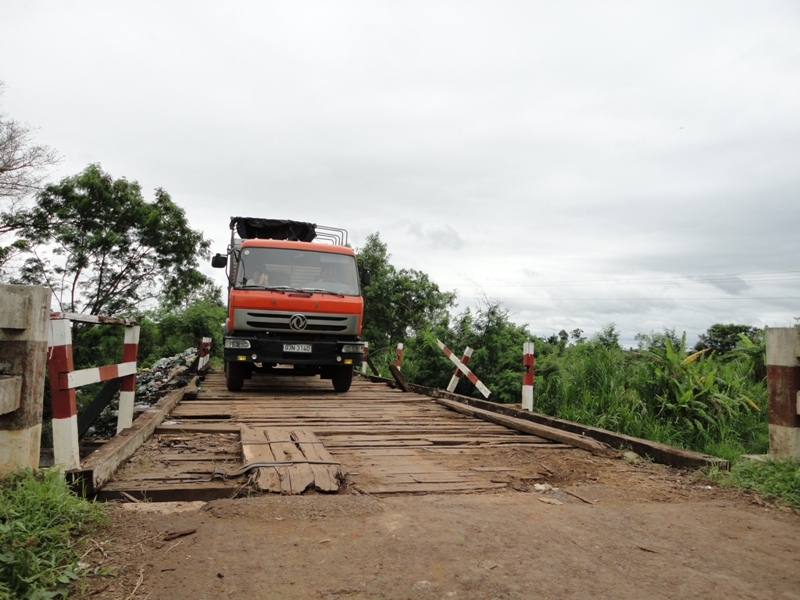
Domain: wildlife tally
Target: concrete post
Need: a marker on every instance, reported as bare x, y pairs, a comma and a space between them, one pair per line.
24, 325
66, 446
783, 388
527, 376
127, 389
399, 353
364, 363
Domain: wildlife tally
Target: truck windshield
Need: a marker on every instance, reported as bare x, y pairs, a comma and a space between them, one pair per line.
280, 268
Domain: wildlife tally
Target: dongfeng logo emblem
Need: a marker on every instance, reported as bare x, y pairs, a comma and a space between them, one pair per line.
298, 322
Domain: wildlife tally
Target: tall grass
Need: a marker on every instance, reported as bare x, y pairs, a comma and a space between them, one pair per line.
668, 394
41, 524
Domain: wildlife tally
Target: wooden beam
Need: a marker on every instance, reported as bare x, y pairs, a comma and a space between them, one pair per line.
660, 453
544, 431
398, 377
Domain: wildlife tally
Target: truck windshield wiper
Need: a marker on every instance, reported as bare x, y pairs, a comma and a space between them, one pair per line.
322, 291
270, 288
252, 286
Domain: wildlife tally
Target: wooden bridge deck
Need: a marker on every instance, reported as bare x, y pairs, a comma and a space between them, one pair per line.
384, 441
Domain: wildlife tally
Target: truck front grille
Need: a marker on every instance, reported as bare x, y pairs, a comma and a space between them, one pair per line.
282, 321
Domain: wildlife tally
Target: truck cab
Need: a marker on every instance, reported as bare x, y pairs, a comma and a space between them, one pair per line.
294, 302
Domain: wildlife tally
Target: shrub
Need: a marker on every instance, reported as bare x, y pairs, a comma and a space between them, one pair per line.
40, 522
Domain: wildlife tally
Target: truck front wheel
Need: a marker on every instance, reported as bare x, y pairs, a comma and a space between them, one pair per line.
234, 376
342, 377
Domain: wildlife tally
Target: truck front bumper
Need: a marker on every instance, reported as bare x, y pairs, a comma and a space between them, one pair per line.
271, 350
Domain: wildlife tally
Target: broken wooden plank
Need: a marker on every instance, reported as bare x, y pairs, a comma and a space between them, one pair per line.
254, 450
301, 460
297, 478
326, 477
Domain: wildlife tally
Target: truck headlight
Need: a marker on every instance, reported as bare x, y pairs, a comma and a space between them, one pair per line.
351, 348
236, 343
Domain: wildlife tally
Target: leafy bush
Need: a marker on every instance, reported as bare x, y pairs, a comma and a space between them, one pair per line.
662, 391
40, 522
169, 332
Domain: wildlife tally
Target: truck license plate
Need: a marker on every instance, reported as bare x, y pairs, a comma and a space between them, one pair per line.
297, 347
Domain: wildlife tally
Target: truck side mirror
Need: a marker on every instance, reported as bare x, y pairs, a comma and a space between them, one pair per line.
366, 276
219, 261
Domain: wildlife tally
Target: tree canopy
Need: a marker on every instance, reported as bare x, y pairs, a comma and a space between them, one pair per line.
397, 303
103, 249
722, 338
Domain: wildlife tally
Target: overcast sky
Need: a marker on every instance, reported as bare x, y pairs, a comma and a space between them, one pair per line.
582, 162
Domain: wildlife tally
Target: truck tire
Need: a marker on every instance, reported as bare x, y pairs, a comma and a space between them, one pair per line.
234, 376
342, 377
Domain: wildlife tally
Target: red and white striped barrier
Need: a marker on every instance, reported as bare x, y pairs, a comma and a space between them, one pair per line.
63, 405
451, 387
366, 354
527, 376
127, 387
204, 356
461, 367
783, 391
64, 379
399, 362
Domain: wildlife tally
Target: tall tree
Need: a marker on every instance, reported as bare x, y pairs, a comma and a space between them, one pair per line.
397, 303
22, 169
103, 249
722, 338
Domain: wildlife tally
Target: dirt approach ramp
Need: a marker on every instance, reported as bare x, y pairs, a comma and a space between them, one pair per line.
649, 533
432, 504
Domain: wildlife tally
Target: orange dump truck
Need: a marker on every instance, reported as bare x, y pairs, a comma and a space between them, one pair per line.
294, 302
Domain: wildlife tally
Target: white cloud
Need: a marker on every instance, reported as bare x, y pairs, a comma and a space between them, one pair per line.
502, 148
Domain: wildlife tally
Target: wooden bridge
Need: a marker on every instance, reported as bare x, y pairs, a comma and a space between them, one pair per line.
294, 434
374, 439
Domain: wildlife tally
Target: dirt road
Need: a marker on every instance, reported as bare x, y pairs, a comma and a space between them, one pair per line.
608, 529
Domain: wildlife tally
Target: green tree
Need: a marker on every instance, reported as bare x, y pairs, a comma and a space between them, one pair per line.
656, 340
104, 250
608, 336
722, 338
169, 332
496, 360
397, 303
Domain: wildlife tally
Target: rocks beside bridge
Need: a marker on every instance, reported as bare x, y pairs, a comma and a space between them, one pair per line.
152, 383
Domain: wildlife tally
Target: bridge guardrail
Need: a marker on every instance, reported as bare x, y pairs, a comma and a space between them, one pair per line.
64, 379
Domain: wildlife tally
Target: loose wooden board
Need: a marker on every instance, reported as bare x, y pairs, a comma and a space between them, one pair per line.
299, 447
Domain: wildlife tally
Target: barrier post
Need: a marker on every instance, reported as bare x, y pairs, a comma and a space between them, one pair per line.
204, 356
366, 355
451, 387
527, 376
127, 386
24, 321
464, 369
399, 362
783, 389
63, 403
